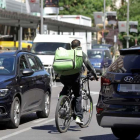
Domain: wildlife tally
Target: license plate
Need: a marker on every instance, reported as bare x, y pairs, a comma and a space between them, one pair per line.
128, 88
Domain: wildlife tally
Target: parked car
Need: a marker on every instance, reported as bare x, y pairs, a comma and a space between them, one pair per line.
100, 59
24, 87
118, 105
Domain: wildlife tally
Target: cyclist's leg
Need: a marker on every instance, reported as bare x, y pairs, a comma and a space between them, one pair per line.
64, 91
78, 99
65, 88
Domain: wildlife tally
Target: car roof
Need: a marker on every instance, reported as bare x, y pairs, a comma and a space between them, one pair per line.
13, 53
101, 45
99, 49
106, 45
133, 48
130, 50
9, 53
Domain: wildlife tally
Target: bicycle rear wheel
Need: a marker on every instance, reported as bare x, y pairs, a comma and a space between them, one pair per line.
63, 114
87, 106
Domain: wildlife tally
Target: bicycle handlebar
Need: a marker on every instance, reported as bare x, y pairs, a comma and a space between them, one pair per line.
90, 76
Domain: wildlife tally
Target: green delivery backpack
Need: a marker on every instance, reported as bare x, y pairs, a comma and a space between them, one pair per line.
68, 62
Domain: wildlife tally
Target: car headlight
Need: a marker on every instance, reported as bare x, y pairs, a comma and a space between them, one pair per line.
97, 64
3, 92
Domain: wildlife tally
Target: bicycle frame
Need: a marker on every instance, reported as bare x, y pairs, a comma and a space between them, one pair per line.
86, 79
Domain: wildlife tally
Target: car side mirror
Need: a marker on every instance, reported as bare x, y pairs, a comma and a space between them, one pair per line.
27, 72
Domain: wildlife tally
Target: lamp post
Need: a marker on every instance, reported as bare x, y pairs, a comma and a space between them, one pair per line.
127, 40
42, 17
104, 18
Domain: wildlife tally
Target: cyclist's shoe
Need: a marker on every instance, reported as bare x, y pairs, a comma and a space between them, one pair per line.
79, 121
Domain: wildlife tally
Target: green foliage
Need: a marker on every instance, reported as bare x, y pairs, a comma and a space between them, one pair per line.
82, 7
134, 16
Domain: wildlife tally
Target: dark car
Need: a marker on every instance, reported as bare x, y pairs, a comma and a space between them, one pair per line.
24, 87
118, 105
100, 59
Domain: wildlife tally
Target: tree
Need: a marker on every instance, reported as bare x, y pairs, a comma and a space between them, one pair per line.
82, 7
134, 16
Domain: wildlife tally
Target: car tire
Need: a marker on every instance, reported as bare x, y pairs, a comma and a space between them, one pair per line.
125, 133
46, 107
15, 113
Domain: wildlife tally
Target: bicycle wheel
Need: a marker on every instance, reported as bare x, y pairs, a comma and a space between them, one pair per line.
87, 106
63, 114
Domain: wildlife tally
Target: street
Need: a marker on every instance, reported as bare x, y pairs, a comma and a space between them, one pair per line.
42, 37
32, 128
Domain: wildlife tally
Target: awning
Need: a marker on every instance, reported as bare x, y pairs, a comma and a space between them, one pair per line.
30, 21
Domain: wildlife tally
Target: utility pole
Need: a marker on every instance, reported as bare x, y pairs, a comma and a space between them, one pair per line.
127, 40
104, 18
42, 27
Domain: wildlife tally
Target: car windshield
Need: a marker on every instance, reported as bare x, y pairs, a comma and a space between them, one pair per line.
7, 65
125, 64
48, 48
95, 54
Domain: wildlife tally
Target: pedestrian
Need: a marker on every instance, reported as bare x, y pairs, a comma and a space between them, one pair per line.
7, 49
28, 48
0, 47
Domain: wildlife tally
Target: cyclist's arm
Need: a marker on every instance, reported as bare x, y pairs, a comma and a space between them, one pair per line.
89, 66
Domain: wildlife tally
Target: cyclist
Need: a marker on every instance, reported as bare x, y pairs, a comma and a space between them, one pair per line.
74, 82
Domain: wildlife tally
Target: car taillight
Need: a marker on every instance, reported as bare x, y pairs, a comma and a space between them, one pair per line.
105, 81
99, 110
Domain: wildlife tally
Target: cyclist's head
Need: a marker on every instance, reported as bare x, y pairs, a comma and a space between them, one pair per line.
75, 43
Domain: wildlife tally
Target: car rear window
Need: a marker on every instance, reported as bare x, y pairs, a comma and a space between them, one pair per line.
95, 53
125, 63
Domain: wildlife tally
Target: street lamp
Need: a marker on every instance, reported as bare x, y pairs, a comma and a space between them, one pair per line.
104, 18
42, 17
127, 40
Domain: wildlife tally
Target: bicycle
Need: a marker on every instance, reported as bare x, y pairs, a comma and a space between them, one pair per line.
65, 110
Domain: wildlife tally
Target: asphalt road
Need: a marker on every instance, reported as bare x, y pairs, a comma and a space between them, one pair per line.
32, 128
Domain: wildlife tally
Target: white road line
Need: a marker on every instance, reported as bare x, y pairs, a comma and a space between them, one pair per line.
94, 93
94, 104
57, 86
26, 129
40, 120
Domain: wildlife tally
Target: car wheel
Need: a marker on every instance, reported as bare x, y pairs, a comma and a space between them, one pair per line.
125, 133
15, 113
46, 107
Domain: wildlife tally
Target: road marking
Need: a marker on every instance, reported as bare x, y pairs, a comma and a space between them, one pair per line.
24, 130
57, 86
94, 93
40, 120
94, 104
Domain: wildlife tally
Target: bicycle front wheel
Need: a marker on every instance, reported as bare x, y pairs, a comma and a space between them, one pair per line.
63, 114
87, 106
